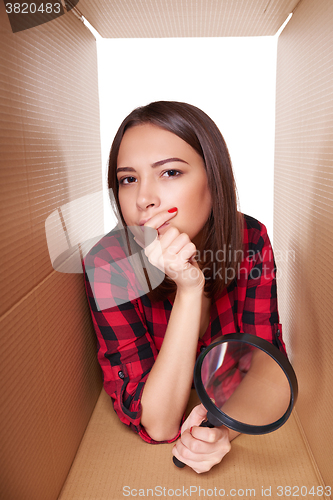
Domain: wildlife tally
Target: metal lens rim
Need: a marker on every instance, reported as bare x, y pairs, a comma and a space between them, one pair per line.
220, 418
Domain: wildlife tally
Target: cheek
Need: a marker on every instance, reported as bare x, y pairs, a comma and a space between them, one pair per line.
195, 210
125, 207
201, 200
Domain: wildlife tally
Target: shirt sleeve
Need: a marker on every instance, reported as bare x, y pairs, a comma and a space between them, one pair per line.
260, 312
126, 350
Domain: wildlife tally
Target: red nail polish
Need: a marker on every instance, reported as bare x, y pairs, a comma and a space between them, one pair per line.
172, 210
191, 429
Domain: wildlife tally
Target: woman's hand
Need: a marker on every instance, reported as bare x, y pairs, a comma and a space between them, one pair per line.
201, 447
173, 253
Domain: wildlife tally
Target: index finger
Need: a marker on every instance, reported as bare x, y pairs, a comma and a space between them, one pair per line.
156, 221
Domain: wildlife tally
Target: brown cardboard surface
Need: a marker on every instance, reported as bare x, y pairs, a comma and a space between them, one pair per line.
205, 18
112, 457
303, 208
49, 141
49, 385
24, 430
50, 148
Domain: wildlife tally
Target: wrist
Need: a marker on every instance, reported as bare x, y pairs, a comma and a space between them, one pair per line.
193, 292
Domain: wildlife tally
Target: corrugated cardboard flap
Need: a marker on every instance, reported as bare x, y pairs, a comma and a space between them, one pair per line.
112, 463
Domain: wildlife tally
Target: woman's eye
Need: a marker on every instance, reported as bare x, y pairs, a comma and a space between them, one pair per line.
171, 173
127, 180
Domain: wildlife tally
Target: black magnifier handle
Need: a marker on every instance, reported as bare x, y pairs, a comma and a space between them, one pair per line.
204, 423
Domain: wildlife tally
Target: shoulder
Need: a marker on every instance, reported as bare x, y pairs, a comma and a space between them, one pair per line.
255, 233
108, 249
253, 226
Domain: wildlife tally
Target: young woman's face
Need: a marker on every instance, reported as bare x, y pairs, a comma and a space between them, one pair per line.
157, 171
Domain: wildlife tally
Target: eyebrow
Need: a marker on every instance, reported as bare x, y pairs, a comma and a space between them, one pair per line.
153, 165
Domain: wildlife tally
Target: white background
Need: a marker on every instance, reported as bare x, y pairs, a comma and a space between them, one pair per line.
231, 79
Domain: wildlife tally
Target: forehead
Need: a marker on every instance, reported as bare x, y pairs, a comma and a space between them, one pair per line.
152, 143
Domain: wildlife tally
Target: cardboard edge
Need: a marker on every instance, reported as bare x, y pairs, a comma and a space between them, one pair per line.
310, 454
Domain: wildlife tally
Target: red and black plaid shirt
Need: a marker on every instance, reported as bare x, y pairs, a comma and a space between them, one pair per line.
130, 328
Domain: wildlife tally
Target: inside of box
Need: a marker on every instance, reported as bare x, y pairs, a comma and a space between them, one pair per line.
51, 156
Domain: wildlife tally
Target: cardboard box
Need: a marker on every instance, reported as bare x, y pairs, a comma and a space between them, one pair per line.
59, 436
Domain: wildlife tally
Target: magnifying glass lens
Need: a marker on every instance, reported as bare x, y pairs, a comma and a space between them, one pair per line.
245, 383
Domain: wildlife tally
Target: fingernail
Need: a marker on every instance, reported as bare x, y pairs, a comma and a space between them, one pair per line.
191, 430
172, 210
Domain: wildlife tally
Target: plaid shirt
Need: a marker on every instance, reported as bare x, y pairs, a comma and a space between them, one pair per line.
130, 328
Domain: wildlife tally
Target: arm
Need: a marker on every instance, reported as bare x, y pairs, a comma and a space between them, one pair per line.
168, 386
257, 287
126, 351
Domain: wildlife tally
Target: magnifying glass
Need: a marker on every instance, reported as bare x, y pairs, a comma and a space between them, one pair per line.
246, 384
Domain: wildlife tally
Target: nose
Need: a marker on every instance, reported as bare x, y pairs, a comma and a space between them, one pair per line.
147, 196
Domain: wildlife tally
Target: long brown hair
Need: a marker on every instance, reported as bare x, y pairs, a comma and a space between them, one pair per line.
223, 231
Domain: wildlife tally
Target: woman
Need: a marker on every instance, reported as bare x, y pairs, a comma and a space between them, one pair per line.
170, 170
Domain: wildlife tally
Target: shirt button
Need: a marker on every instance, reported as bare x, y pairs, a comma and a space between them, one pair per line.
202, 348
278, 332
121, 374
